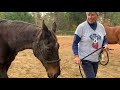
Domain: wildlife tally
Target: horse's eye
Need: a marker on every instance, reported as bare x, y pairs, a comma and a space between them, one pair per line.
49, 44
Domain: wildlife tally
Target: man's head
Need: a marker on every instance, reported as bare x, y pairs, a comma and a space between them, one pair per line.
92, 16
92, 12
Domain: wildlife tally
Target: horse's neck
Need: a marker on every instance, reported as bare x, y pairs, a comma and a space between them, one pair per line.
18, 35
26, 40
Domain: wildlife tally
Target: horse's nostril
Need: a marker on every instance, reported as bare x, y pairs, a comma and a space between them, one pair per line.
50, 75
57, 74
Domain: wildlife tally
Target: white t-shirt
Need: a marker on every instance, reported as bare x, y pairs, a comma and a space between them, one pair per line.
90, 41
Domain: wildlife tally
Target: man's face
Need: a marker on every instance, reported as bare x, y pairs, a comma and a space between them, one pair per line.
91, 17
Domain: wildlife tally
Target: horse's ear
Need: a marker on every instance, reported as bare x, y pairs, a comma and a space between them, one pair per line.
44, 30
54, 26
44, 27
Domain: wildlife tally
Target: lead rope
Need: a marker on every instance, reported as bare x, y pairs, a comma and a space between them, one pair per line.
80, 71
87, 56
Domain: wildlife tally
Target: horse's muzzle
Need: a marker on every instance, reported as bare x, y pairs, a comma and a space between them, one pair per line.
50, 75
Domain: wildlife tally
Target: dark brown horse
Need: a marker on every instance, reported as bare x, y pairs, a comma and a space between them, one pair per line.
113, 34
16, 36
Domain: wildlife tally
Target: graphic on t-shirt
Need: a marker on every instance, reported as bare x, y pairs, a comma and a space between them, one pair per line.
95, 39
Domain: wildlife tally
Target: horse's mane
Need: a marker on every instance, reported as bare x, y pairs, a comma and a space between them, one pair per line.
20, 26
14, 21
17, 24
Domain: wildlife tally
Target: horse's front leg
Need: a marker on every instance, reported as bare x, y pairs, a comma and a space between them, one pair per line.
3, 73
10, 59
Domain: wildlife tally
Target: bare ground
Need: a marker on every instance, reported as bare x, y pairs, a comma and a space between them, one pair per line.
26, 65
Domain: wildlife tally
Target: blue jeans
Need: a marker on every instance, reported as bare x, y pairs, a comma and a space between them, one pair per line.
90, 68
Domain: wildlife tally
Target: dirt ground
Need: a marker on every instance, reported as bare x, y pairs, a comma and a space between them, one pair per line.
26, 65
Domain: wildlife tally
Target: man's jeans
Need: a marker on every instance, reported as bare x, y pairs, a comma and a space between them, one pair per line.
90, 68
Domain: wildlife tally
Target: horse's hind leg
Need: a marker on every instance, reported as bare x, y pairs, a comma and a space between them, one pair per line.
3, 73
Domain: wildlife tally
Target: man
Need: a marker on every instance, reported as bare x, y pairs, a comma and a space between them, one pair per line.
89, 36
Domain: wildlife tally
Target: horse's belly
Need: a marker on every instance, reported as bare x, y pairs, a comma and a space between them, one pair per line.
112, 41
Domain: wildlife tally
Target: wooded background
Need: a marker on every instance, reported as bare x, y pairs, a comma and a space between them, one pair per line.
66, 21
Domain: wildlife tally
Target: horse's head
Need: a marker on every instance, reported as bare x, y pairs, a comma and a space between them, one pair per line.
46, 49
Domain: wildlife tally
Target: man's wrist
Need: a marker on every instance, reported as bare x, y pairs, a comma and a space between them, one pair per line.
76, 55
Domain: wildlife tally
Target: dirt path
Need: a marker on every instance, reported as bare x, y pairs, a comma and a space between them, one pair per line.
26, 65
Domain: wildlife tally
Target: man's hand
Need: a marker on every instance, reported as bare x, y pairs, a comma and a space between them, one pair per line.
106, 48
77, 60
